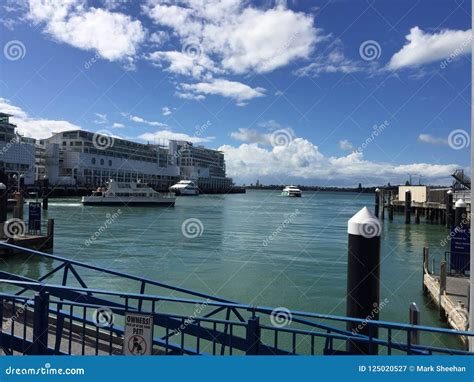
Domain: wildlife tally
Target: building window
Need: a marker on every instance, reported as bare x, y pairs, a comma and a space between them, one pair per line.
93, 160
110, 162
101, 162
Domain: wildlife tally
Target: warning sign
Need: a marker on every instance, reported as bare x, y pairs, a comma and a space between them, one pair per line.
138, 336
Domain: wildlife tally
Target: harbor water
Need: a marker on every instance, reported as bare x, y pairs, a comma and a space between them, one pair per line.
256, 248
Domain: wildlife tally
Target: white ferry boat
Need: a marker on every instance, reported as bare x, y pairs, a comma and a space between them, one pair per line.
185, 187
291, 191
129, 194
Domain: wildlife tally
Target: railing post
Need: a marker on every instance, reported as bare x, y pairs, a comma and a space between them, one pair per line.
253, 336
40, 324
414, 316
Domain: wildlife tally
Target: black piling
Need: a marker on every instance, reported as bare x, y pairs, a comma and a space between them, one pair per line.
377, 202
417, 216
382, 204
45, 192
460, 214
390, 206
363, 278
3, 202
449, 209
407, 206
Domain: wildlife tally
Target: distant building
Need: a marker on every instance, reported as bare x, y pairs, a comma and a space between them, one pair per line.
88, 159
203, 165
17, 153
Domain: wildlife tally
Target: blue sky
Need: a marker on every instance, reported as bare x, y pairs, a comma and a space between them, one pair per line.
289, 90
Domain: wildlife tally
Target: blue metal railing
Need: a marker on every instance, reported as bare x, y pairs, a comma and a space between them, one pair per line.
196, 323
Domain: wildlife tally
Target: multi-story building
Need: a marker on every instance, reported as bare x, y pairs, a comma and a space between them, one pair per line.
17, 153
206, 166
89, 159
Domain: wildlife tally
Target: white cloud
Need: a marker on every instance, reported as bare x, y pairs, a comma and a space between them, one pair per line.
422, 48
32, 127
113, 35
101, 119
251, 135
231, 89
345, 145
137, 119
166, 135
234, 36
302, 160
427, 138
117, 125
166, 111
333, 62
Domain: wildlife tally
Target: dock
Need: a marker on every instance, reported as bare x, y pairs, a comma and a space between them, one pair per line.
450, 293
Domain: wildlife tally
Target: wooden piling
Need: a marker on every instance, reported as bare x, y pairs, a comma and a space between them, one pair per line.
414, 319
382, 203
363, 277
426, 259
45, 192
377, 202
449, 209
407, 206
442, 286
390, 206
417, 216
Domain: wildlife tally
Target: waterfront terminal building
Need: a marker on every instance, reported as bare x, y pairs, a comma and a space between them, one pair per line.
85, 159
17, 153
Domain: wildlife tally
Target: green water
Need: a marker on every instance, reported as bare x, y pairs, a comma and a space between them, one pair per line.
247, 252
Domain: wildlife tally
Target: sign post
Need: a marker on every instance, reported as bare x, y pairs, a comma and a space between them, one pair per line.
34, 216
138, 334
460, 249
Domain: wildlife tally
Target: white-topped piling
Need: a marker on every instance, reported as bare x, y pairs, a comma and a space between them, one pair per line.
363, 277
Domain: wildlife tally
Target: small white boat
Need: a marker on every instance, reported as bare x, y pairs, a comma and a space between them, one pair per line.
185, 187
127, 194
291, 191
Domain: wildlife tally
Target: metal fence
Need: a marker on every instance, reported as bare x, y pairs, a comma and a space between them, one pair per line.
46, 318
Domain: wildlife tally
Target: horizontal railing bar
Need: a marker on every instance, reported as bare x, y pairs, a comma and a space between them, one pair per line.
112, 272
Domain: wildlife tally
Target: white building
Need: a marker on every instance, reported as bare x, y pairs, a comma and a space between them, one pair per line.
89, 159
17, 153
203, 165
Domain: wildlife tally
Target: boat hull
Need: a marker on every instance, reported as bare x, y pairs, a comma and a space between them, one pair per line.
132, 202
179, 192
290, 195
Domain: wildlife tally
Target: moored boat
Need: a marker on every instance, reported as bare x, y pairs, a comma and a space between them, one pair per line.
127, 194
185, 187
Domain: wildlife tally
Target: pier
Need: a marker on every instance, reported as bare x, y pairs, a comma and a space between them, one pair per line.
450, 293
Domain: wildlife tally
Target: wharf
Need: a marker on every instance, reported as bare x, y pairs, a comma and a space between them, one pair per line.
451, 296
